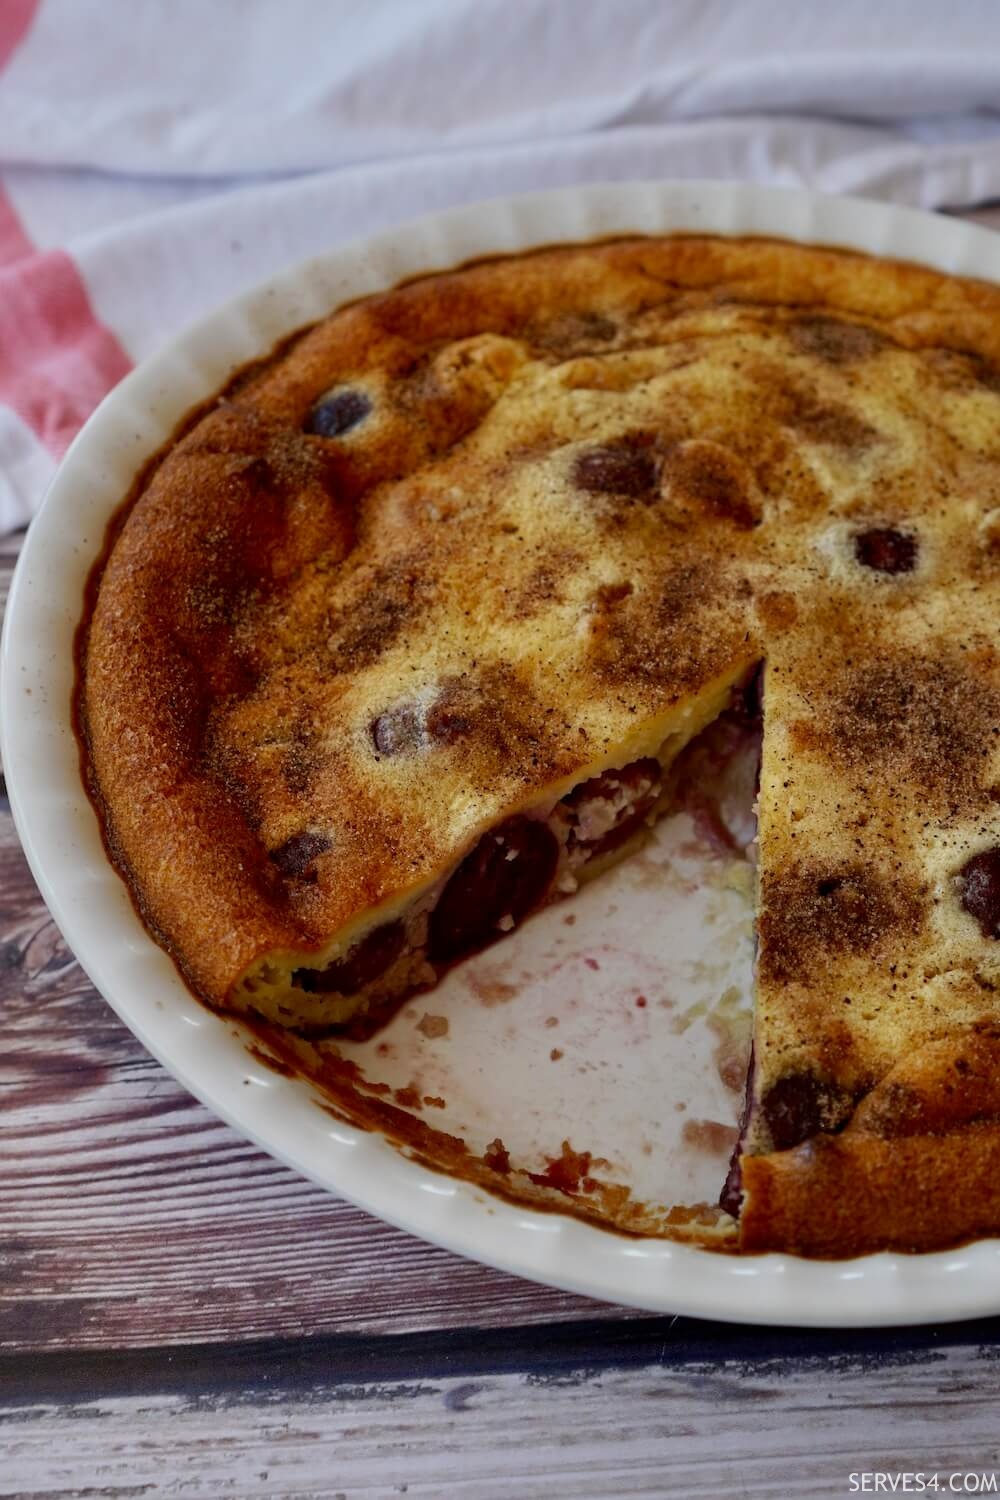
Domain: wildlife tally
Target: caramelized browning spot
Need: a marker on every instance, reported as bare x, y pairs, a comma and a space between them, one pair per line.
709, 1135
985, 373
677, 641
705, 477
809, 914
567, 1173
360, 634
491, 711
542, 586
452, 716
300, 766
495, 708
827, 422
294, 857
778, 610
837, 342
576, 333
936, 1088
610, 594
497, 1157
931, 718
433, 1027
454, 713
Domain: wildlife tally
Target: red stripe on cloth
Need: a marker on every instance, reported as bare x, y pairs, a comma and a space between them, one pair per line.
56, 359
14, 243
16, 17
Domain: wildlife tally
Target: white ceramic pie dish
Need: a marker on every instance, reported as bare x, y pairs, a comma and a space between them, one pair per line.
61, 837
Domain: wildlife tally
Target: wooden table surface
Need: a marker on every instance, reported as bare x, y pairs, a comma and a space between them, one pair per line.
181, 1315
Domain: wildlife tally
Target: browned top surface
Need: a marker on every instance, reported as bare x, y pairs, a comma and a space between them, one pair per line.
591, 480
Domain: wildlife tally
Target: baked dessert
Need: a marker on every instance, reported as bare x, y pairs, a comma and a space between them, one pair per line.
404, 634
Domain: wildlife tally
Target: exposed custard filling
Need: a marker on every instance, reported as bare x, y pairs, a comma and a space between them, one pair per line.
538, 855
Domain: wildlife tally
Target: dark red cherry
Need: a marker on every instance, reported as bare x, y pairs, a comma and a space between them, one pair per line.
886, 550
979, 886
793, 1109
365, 962
507, 874
618, 469
337, 412
397, 730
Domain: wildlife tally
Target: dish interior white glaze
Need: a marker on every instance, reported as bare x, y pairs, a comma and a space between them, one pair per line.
207, 1054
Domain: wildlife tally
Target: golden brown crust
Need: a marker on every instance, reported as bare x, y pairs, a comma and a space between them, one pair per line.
836, 1197
917, 1167
584, 484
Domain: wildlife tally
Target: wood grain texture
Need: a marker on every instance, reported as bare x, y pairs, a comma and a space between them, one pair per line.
788, 1424
129, 1215
10, 546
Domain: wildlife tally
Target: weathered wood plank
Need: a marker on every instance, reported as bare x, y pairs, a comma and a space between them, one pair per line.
129, 1215
10, 546
788, 1425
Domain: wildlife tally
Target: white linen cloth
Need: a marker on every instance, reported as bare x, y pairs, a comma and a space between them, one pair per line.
157, 156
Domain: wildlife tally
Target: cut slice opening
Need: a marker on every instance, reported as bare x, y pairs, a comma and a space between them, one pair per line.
542, 854
534, 857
